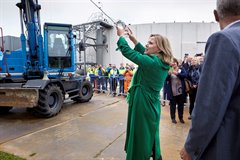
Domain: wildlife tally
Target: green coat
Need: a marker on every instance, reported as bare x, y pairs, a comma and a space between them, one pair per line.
144, 102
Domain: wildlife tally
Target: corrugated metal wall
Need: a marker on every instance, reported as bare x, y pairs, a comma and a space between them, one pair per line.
11, 43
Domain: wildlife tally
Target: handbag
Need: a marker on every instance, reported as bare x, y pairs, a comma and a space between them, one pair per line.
188, 85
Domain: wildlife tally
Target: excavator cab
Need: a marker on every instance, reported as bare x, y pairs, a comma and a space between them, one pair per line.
59, 49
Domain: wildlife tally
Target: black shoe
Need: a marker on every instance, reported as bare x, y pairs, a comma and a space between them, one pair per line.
174, 121
182, 121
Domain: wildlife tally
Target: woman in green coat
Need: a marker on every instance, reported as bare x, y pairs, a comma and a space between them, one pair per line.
142, 137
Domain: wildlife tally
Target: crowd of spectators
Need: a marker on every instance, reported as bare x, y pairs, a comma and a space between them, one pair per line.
179, 88
110, 78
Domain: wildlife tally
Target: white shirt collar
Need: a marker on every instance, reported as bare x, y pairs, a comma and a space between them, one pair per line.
232, 24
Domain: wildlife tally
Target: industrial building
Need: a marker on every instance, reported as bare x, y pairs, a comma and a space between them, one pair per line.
11, 43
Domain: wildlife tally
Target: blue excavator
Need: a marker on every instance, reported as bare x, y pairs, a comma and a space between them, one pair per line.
41, 75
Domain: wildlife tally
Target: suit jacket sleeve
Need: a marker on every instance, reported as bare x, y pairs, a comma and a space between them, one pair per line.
216, 86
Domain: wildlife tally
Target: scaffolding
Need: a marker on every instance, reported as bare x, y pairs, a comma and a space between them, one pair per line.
91, 35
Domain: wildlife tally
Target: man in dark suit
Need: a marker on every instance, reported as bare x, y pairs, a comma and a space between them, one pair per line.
215, 130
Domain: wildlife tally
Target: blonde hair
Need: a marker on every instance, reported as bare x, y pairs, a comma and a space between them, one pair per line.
165, 49
195, 59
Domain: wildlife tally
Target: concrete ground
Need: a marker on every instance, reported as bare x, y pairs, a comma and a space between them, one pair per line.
87, 131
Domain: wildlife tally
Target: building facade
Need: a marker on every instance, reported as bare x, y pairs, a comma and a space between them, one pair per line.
185, 38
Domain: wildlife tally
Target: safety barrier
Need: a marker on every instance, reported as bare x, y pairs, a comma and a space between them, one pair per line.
115, 86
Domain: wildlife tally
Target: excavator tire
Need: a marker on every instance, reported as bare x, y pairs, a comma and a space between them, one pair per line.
50, 102
85, 93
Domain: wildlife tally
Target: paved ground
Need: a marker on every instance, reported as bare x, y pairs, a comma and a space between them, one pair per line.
87, 131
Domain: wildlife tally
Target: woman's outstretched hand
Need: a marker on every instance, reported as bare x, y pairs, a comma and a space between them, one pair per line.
130, 35
127, 31
120, 32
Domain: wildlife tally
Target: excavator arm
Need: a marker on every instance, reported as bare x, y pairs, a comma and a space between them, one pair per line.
30, 25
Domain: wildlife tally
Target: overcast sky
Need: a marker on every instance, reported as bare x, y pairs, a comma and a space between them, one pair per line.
131, 11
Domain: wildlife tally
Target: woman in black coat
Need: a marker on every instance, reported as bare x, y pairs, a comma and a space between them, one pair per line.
193, 76
176, 90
